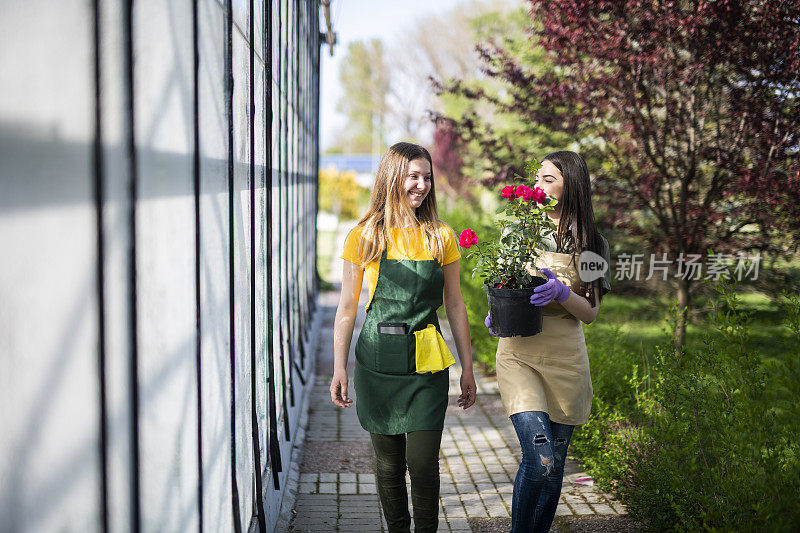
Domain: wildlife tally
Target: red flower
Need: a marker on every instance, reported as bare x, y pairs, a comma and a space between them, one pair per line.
508, 192
521, 191
467, 238
539, 195
528, 194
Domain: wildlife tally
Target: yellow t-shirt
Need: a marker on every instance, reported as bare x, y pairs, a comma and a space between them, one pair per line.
416, 250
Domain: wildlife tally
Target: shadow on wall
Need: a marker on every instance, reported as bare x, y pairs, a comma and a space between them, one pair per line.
29, 161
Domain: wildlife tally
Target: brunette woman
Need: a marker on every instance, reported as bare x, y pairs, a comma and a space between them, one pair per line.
544, 379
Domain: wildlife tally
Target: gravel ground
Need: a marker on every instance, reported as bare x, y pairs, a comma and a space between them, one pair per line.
337, 457
490, 525
597, 524
564, 524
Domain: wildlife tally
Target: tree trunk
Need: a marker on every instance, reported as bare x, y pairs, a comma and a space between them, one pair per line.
683, 312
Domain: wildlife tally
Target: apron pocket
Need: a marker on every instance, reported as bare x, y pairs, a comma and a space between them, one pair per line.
393, 352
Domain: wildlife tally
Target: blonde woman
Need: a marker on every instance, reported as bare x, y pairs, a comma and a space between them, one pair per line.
410, 259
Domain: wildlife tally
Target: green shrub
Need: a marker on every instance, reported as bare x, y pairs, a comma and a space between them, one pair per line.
460, 216
615, 379
708, 442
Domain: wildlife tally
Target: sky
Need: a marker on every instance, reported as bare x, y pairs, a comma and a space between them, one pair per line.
355, 20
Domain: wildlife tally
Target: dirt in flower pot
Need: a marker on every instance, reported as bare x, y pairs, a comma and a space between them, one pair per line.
512, 312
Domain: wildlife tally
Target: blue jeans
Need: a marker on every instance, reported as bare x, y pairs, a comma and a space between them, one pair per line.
537, 486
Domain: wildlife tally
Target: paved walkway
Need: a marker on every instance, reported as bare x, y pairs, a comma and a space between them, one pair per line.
479, 457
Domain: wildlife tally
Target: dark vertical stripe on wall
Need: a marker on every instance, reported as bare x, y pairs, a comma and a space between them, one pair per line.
316, 44
133, 371
283, 44
299, 251
258, 503
296, 324
306, 165
280, 193
290, 190
237, 522
293, 189
97, 175
312, 198
299, 193
291, 94
302, 38
312, 46
285, 296
302, 253
307, 161
315, 169
197, 295
309, 158
274, 445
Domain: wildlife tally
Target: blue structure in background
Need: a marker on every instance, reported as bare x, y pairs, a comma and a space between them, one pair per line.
360, 163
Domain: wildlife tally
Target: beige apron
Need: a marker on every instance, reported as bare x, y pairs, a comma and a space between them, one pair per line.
549, 371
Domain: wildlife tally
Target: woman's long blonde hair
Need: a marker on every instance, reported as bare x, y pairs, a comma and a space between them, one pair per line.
388, 206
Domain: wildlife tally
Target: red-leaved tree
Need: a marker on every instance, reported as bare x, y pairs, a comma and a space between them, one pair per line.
447, 160
691, 105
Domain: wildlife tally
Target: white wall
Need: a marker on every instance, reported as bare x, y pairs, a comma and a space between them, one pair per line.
123, 405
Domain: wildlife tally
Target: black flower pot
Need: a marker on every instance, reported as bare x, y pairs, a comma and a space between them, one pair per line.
512, 313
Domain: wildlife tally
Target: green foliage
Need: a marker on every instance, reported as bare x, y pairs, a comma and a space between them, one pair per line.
460, 216
700, 439
339, 193
518, 135
326, 248
504, 262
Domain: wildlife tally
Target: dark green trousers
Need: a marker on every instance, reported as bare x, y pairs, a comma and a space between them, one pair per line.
419, 452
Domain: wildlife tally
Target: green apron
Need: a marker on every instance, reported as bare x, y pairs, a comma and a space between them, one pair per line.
391, 398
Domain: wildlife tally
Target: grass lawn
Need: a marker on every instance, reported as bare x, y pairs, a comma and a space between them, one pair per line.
326, 242
642, 322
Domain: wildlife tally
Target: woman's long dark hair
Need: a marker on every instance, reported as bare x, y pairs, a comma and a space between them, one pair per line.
577, 231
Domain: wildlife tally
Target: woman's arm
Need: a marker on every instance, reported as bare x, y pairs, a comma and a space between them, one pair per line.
352, 277
580, 307
459, 324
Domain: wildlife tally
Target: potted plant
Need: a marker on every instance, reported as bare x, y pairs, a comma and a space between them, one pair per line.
505, 265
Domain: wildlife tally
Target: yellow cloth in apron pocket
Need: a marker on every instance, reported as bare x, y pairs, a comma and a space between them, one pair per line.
432, 354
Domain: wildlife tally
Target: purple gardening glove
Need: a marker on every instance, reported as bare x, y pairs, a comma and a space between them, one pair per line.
488, 324
551, 290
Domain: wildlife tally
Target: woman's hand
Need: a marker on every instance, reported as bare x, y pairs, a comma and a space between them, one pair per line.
457, 316
578, 306
468, 389
352, 276
551, 290
339, 389
488, 323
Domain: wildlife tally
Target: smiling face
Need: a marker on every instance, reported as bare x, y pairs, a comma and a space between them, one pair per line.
549, 178
417, 183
